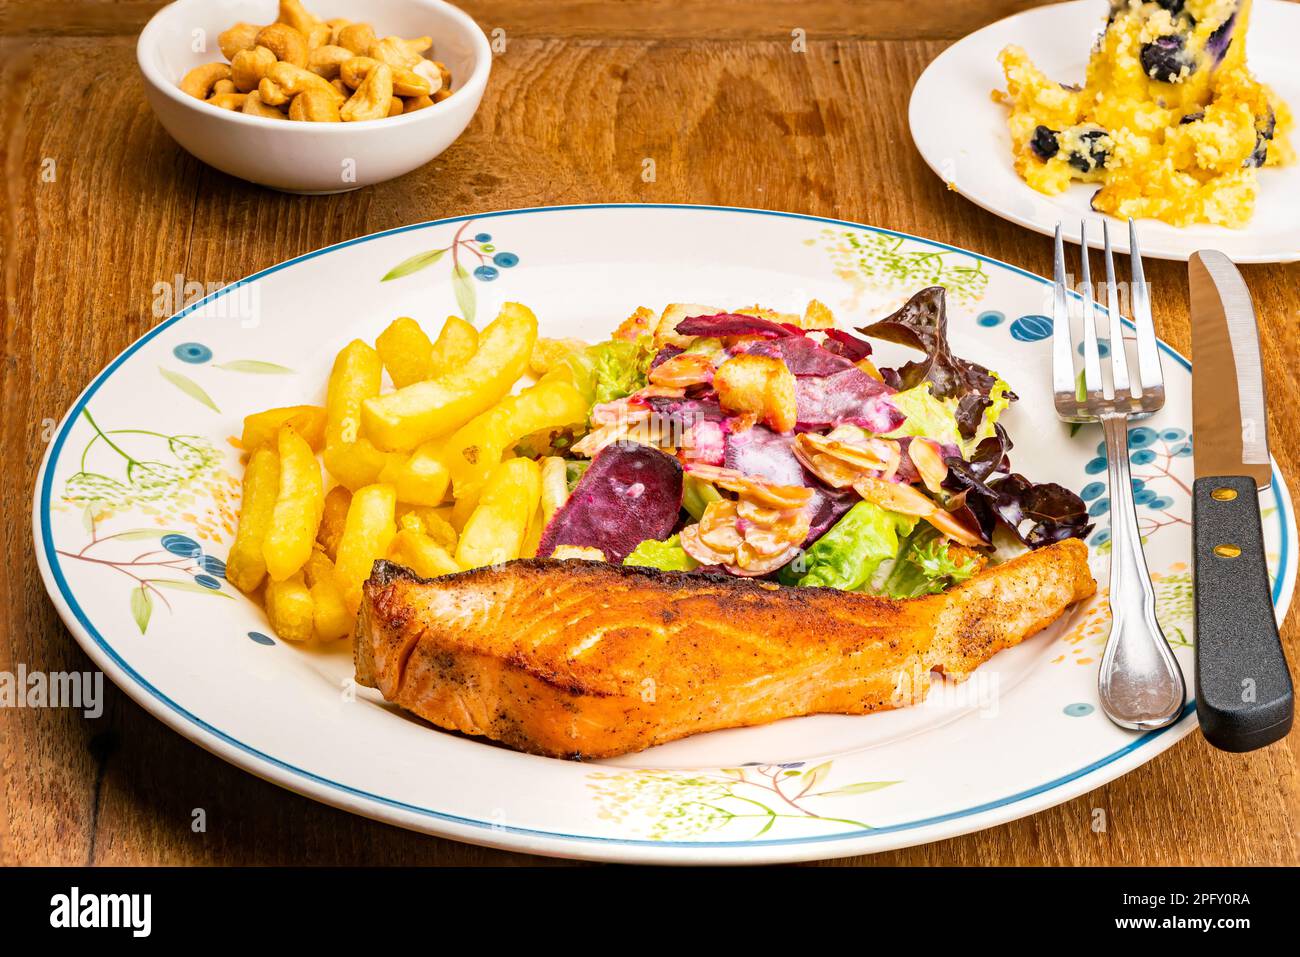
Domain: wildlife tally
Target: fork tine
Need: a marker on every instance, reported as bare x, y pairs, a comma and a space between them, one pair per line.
1118, 351
1150, 375
1063, 383
1092, 381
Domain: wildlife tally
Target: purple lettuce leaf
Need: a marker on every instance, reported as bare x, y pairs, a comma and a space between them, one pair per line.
922, 324
628, 494
1036, 513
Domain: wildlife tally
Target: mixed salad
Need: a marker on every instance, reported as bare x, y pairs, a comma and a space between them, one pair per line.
761, 444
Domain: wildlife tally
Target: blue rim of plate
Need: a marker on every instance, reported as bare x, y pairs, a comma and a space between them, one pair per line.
47, 542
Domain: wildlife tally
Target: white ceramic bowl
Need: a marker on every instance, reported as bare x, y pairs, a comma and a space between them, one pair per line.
311, 157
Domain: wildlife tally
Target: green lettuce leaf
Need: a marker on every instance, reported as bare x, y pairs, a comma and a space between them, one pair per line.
928, 417
933, 418
847, 556
925, 567
696, 496
667, 556
1000, 394
619, 367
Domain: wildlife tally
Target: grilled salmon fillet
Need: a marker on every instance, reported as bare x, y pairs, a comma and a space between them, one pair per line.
585, 659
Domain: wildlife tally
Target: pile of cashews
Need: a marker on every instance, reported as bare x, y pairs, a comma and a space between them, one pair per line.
328, 71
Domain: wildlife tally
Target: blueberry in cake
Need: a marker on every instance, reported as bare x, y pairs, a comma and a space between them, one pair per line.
1169, 122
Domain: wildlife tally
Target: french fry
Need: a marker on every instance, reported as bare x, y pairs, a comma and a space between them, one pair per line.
330, 615
461, 510
477, 447
261, 428
548, 353
456, 345
290, 608
496, 530
411, 416
349, 456
405, 351
420, 478
421, 554
555, 486
533, 536
369, 529
427, 521
295, 519
334, 514
245, 566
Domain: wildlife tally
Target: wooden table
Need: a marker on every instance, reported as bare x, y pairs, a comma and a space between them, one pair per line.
712, 90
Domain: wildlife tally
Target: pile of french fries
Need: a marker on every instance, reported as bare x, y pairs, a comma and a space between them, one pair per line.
425, 475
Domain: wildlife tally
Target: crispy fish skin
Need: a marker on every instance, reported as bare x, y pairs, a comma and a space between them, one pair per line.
583, 659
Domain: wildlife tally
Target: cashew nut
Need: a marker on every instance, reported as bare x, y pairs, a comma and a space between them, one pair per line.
418, 45
373, 97
289, 80
249, 66
297, 16
326, 60
394, 52
356, 37
242, 36
285, 42
269, 92
228, 101
254, 105
314, 106
406, 82
336, 24
199, 81
428, 70
308, 68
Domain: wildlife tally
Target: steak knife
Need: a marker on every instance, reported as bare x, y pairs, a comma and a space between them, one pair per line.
1244, 698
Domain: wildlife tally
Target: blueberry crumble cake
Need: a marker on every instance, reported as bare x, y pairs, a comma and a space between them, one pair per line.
1169, 122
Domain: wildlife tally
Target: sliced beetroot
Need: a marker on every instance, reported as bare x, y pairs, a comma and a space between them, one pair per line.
762, 453
850, 396
628, 494
664, 354
688, 410
846, 344
734, 324
828, 506
801, 355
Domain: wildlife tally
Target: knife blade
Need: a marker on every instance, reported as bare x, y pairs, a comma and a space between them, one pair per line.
1244, 697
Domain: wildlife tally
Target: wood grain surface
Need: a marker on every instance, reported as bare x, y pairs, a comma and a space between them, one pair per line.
712, 90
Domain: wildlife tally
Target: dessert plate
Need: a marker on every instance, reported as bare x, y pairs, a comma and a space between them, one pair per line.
135, 508
962, 133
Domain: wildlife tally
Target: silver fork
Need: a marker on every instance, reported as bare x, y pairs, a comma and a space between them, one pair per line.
1140, 684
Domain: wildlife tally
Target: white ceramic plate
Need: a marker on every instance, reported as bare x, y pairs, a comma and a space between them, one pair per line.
141, 483
962, 133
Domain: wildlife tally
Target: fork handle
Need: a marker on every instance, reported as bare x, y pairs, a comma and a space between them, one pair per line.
1244, 698
1139, 683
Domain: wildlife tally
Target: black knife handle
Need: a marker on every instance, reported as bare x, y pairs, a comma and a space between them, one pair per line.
1243, 689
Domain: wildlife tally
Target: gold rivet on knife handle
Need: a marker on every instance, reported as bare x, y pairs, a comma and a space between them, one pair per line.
1223, 494
1227, 551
